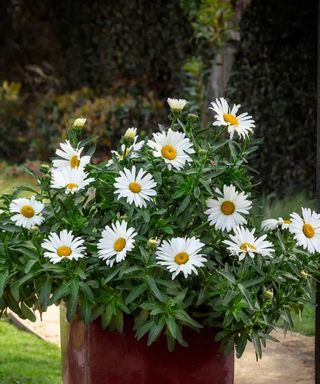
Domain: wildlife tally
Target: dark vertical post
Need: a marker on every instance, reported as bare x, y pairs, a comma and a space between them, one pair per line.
317, 325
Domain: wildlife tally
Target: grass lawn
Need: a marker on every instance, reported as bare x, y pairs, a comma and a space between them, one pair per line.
25, 359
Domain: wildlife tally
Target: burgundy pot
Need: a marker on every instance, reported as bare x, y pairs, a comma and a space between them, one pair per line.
91, 355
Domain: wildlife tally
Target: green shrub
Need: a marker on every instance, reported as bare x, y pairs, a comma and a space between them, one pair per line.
274, 76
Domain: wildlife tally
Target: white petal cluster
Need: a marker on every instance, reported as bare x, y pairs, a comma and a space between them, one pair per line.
173, 147
244, 243
181, 254
306, 229
72, 180
136, 187
227, 210
226, 116
272, 224
63, 246
176, 105
131, 152
115, 242
26, 212
70, 157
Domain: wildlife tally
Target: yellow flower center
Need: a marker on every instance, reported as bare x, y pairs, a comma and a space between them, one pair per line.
228, 118
74, 161
287, 221
27, 211
247, 247
169, 152
181, 258
119, 244
64, 251
135, 187
308, 230
72, 186
227, 207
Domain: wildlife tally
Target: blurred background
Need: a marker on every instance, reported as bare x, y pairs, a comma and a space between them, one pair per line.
116, 62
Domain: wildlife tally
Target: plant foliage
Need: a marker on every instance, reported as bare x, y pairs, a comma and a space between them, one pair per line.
240, 300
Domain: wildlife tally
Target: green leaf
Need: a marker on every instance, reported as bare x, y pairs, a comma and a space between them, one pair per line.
154, 288
257, 345
72, 299
134, 293
155, 332
146, 215
45, 291
247, 295
227, 275
61, 292
142, 330
27, 313
15, 290
168, 230
3, 280
181, 315
196, 192
184, 204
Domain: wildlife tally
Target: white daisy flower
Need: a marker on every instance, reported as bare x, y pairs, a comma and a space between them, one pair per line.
63, 245
26, 212
70, 157
132, 152
226, 211
116, 241
174, 147
137, 188
241, 124
244, 243
306, 229
181, 254
271, 224
176, 105
73, 180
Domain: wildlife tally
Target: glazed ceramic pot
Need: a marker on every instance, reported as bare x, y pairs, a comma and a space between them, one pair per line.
91, 355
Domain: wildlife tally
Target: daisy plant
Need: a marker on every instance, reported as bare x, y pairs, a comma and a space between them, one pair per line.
163, 232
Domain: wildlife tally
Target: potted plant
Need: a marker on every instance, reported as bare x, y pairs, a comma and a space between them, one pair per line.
157, 254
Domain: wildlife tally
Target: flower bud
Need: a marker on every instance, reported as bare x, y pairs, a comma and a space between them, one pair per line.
153, 243
304, 274
34, 229
192, 118
79, 123
176, 105
203, 152
268, 294
130, 135
44, 168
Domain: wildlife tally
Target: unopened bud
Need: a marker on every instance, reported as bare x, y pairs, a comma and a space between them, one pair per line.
34, 229
79, 123
44, 168
203, 152
268, 294
130, 136
304, 274
153, 243
192, 117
